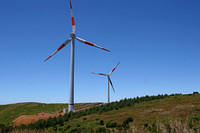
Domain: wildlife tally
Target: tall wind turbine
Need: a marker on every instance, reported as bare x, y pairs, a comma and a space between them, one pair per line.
109, 80
72, 40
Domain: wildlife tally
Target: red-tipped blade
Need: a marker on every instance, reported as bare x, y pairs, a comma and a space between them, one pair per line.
91, 44
47, 58
99, 74
111, 83
62, 46
114, 68
73, 21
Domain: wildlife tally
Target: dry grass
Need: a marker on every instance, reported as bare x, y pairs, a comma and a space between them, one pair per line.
174, 108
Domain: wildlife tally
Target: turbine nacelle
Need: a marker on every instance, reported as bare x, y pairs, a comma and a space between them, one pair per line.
72, 35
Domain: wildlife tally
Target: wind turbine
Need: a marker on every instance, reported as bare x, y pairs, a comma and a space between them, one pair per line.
72, 40
109, 80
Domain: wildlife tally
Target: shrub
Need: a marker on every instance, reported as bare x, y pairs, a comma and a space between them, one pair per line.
60, 120
78, 125
129, 119
125, 125
146, 125
194, 122
111, 124
126, 122
195, 92
119, 127
84, 119
101, 122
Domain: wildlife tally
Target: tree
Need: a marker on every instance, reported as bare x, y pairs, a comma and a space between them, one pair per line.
101, 122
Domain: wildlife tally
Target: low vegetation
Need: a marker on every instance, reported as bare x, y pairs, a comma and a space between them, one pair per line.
155, 114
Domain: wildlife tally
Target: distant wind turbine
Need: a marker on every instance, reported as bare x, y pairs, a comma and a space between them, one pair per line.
72, 40
109, 80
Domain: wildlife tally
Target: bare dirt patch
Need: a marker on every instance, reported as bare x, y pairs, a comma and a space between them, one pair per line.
27, 119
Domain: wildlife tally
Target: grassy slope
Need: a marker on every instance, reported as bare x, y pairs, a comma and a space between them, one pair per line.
10, 112
164, 111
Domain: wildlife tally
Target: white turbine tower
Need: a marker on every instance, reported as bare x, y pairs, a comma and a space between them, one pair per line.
109, 80
72, 40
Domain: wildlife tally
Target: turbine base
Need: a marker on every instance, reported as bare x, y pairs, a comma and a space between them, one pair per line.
71, 108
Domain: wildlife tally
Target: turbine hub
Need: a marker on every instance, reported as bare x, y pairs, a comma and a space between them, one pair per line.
73, 35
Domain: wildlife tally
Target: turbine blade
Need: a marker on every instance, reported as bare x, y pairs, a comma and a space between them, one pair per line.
73, 21
91, 44
111, 83
114, 69
99, 74
63, 45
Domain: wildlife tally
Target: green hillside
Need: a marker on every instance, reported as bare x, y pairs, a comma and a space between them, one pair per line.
176, 113
10, 112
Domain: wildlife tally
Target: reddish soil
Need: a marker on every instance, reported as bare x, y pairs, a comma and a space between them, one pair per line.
27, 119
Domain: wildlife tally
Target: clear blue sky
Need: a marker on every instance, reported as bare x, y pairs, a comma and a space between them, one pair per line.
156, 41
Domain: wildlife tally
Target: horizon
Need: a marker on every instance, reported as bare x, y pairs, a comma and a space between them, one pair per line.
104, 102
